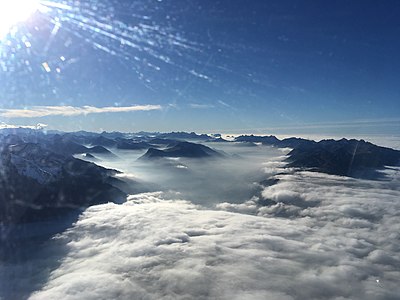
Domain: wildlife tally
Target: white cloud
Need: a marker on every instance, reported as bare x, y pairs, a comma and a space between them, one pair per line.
201, 106
150, 248
328, 237
42, 111
199, 75
11, 126
347, 247
226, 105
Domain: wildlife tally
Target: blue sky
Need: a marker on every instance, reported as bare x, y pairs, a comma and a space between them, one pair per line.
228, 66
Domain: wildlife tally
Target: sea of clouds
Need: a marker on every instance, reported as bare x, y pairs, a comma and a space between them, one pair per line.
319, 237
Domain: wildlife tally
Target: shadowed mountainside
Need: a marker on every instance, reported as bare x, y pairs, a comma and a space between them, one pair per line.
37, 183
356, 158
182, 149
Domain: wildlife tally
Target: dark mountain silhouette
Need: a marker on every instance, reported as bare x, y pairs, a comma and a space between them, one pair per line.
271, 140
161, 141
64, 145
217, 140
90, 157
267, 140
182, 149
183, 136
295, 142
103, 141
37, 184
98, 149
343, 157
127, 144
356, 158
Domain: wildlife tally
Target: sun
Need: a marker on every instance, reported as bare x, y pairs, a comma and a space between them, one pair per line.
13, 12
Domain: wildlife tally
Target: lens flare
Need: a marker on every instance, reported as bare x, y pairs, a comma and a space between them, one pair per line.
12, 12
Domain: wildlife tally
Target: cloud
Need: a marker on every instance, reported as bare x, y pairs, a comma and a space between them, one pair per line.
327, 237
153, 248
226, 105
201, 106
11, 126
200, 75
42, 111
207, 181
184, 253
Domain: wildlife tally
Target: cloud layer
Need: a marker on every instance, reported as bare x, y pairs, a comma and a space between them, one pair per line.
346, 247
204, 182
322, 237
43, 111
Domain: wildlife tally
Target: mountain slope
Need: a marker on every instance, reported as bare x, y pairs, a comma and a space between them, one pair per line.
182, 149
37, 183
343, 157
356, 158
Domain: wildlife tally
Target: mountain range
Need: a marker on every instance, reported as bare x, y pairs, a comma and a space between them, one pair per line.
41, 178
355, 158
38, 184
182, 149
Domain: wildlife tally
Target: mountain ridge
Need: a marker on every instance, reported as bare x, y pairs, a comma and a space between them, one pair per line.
182, 149
345, 157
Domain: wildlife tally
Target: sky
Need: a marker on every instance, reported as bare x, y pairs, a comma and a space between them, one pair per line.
279, 67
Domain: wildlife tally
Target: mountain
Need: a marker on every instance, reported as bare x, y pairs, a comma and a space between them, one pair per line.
184, 136
274, 141
182, 149
217, 140
64, 144
343, 157
89, 156
127, 144
266, 140
38, 184
103, 141
161, 141
98, 149
294, 142
356, 158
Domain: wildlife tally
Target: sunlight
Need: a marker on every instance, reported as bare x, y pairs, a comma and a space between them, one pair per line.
13, 12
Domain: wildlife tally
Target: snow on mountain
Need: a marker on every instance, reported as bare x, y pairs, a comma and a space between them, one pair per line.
33, 161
